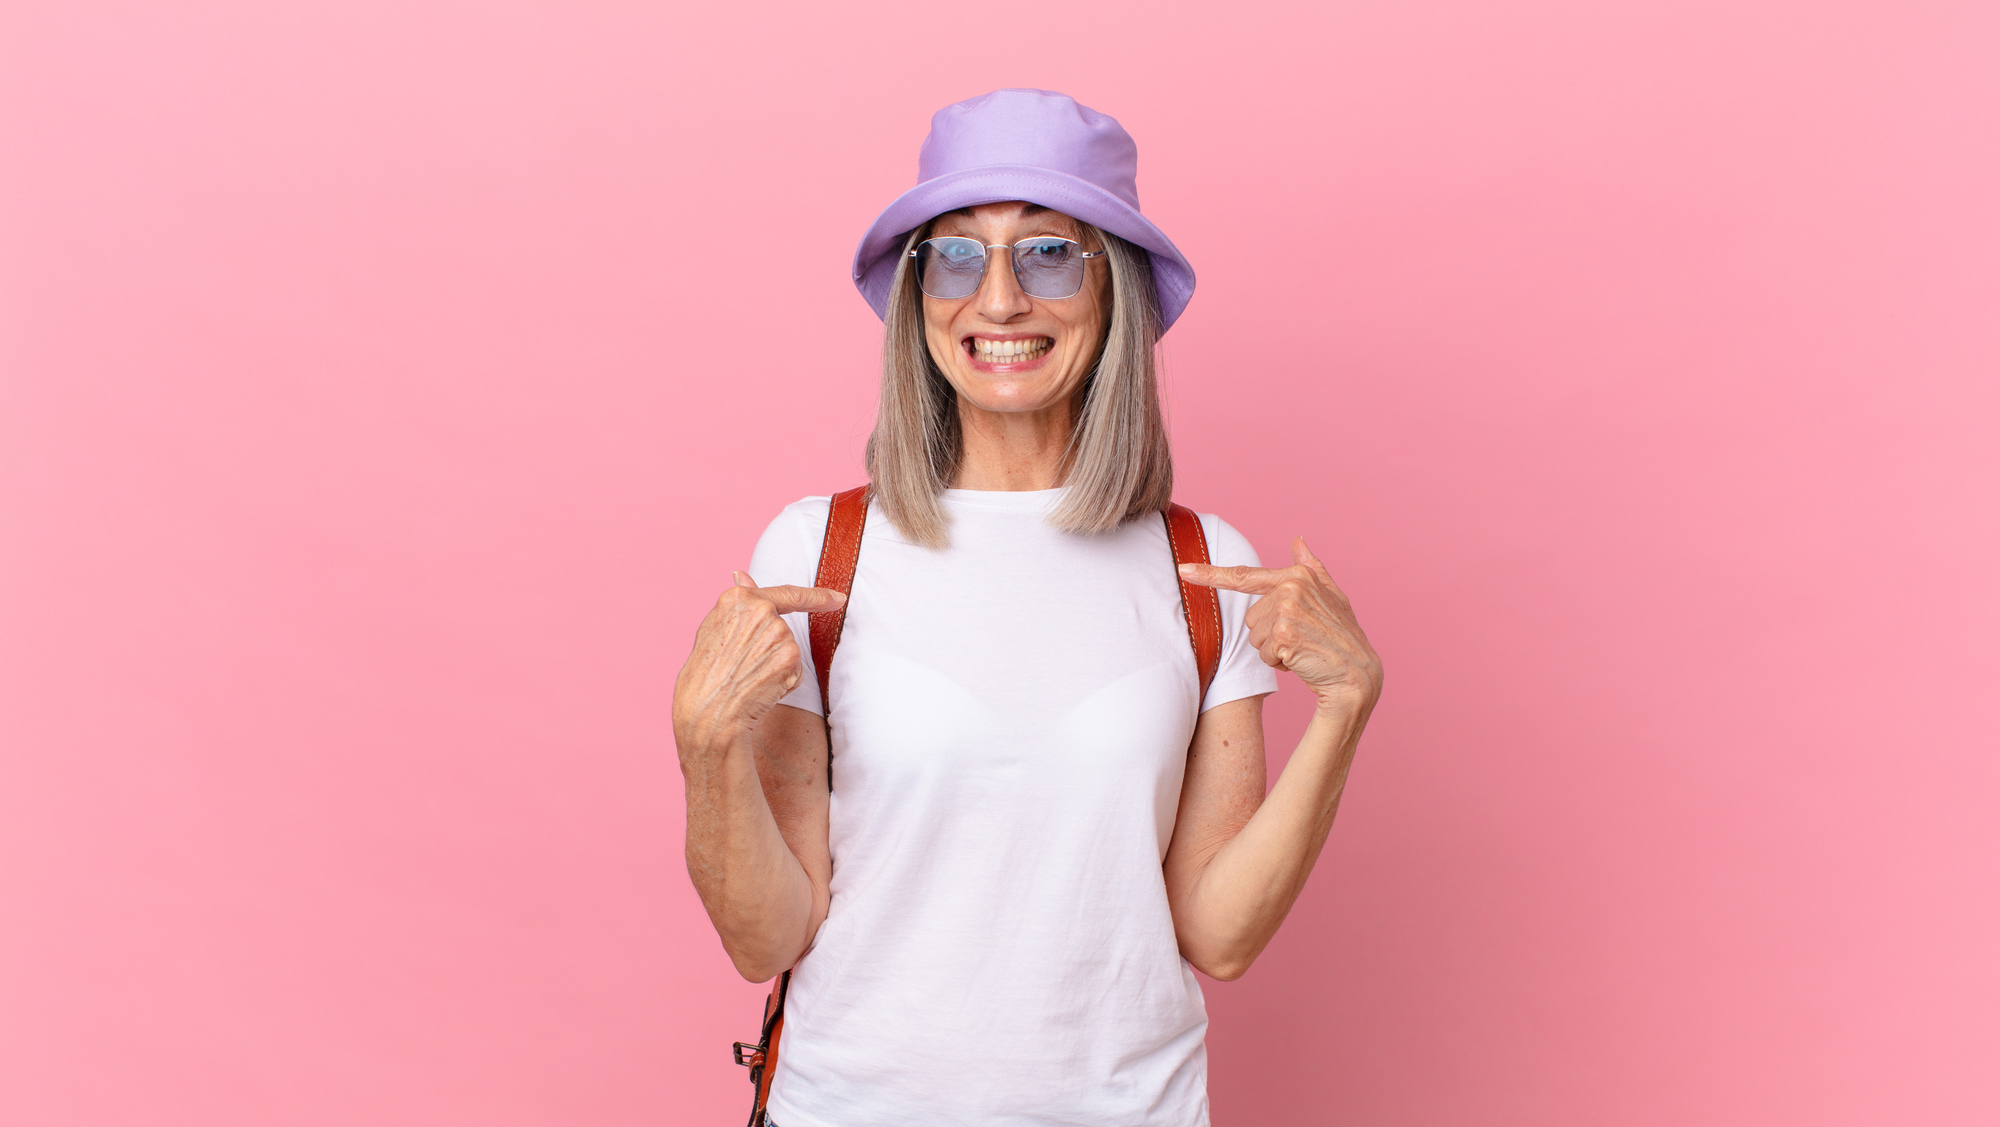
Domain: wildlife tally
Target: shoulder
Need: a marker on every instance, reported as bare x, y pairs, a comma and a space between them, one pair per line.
789, 548
1226, 546
807, 514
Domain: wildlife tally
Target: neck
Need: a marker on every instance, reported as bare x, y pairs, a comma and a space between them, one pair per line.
1013, 451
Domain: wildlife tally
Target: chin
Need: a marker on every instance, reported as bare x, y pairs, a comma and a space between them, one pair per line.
1004, 395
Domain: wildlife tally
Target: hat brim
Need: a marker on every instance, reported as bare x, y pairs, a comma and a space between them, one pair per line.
875, 260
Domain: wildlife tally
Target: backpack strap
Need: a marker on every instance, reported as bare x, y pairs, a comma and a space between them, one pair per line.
838, 554
1204, 609
762, 1057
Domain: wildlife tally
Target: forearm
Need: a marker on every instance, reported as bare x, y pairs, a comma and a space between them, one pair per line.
1250, 882
753, 885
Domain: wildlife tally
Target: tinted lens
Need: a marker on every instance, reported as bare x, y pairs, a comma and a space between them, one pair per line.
1048, 267
950, 267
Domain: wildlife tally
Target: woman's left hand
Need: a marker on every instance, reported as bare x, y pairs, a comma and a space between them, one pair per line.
1304, 623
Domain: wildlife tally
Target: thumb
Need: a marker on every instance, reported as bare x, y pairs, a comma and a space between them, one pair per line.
791, 600
742, 579
1303, 556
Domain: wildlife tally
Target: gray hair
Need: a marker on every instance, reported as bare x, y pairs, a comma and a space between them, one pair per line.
1117, 466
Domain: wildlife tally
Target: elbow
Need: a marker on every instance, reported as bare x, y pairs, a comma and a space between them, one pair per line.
766, 959
757, 962
1224, 970
1224, 958
1222, 965
754, 970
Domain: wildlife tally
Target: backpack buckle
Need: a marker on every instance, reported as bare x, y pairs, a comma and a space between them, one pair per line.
748, 1055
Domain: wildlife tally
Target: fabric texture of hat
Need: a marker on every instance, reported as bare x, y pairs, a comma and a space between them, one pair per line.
1032, 145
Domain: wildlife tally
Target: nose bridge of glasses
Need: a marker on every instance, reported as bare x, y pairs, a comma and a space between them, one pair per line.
991, 277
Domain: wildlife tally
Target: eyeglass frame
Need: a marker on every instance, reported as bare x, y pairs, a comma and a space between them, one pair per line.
987, 261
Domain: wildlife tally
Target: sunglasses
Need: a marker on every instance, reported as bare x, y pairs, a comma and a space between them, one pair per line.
1046, 267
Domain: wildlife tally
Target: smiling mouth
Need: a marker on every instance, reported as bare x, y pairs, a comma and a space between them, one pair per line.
1009, 351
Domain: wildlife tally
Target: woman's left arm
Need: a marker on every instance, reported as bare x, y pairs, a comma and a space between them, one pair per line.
1238, 860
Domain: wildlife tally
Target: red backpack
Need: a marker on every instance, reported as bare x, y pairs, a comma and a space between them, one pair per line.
837, 556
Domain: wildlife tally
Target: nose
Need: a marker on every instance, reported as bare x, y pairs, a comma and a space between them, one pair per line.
1001, 298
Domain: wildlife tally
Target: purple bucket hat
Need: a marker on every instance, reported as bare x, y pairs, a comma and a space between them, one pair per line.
1031, 145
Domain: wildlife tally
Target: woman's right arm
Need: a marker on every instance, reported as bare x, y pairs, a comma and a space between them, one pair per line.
756, 778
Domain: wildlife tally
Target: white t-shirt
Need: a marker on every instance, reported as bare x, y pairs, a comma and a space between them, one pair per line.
1011, 718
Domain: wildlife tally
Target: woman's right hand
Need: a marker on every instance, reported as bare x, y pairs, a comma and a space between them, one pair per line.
756, 782
745, 660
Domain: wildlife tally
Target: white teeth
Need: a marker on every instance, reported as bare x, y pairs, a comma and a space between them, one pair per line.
1004, 350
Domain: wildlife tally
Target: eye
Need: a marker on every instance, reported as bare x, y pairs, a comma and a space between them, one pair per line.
956, 255
1046, 251
959, 251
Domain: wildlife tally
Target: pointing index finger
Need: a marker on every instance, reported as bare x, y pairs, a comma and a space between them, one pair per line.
790, 600
1249, 580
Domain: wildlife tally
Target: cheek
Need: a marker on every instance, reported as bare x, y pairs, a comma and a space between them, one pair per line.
938, 338
940, 334
1088, 333
1092, 321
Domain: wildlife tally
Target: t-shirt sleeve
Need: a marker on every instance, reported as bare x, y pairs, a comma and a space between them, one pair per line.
1241, 672
788, 553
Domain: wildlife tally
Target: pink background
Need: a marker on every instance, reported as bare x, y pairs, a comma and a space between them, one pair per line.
386, 388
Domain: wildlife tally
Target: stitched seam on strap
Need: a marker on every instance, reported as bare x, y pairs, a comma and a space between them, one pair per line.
1187, 596
837, 565
839, 557
1190, 593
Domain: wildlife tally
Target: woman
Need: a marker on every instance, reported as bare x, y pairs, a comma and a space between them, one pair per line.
1036, 824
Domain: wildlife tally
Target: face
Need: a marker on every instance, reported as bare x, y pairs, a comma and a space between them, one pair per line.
1003, 350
